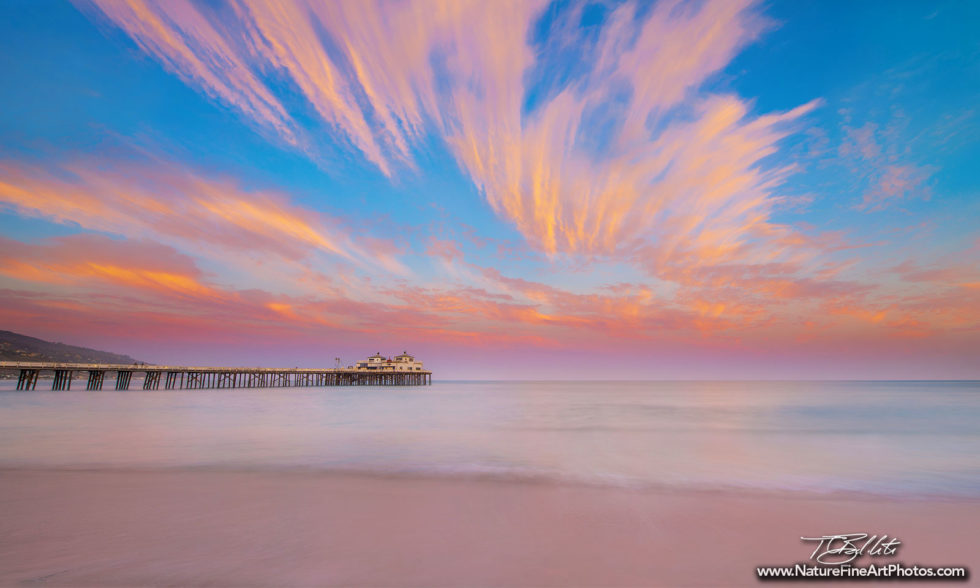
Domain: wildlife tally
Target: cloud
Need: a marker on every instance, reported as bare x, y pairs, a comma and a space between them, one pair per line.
98, 275
673, 165
879, 156
644, 194
897, 182
189, 44
861, 142
967, 271
93, 284
78, 261
182, 207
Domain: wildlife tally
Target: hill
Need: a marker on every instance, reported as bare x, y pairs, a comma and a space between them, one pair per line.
17, 347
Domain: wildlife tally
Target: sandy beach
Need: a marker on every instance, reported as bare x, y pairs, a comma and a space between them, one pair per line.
112, 528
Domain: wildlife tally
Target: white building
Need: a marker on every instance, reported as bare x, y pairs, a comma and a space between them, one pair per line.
401, 363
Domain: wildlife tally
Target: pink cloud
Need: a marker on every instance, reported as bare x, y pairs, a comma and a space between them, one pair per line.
696, 187
897, 182
879, 157
97, 287
861, 142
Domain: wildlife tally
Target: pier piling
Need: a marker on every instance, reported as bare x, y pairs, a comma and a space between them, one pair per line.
62, 380
122, 379
151, 381
95, 379
27, 379
210, 377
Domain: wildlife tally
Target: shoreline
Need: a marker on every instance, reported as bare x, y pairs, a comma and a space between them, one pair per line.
505, 477
235, 528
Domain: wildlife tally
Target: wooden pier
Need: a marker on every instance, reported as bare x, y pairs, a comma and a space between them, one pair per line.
156, 377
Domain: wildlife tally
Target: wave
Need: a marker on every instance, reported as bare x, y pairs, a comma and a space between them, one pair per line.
829, 488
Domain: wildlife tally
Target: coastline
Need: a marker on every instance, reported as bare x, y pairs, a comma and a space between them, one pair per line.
242, 528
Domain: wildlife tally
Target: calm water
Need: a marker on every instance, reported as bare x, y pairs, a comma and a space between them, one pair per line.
883, 437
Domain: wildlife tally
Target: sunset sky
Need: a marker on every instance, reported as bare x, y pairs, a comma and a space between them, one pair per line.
628, 190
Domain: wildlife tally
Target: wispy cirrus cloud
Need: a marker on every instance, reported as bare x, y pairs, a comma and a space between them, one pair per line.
129, 279
177, 205
675, 165
190, 44
95, 260
897, 183
124, 287
885, 156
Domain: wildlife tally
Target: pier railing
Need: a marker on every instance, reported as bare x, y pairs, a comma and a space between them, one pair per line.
184, 377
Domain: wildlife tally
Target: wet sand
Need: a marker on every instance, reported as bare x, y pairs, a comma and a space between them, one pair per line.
194, 528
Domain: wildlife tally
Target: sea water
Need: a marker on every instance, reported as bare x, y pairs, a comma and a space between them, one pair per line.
894, 438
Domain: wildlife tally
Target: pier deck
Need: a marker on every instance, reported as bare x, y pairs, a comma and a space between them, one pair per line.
184, 377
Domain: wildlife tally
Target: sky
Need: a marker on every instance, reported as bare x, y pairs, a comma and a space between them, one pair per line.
719, 189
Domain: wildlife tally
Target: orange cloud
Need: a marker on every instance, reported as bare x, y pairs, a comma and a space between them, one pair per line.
183, 208
695, 189
112, 285
93, 259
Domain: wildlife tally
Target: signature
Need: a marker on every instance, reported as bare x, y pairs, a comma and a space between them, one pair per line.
841, 549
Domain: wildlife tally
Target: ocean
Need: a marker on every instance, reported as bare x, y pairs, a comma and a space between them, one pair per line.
888, 438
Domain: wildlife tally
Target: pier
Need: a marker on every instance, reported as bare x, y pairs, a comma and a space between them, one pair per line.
155, 377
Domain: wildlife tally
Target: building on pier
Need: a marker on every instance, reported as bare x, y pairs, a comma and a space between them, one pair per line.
400, 363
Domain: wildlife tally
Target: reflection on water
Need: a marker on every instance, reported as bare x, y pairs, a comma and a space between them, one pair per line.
887, 437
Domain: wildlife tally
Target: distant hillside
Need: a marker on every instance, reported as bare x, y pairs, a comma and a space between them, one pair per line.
15, 347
